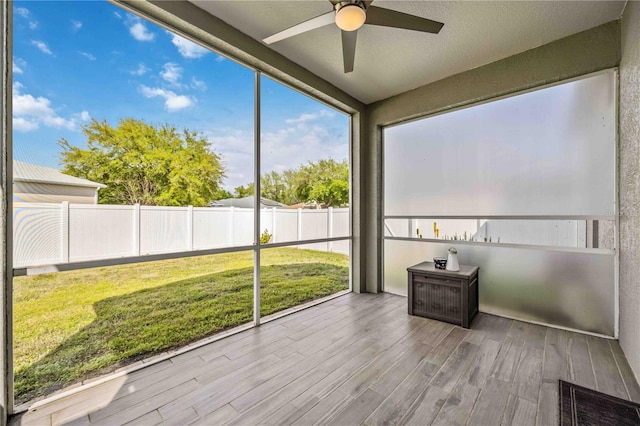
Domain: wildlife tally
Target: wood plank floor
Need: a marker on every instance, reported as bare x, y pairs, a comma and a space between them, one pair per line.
358, 359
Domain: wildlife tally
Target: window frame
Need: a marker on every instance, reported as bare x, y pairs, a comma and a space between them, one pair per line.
615, 217
6, 12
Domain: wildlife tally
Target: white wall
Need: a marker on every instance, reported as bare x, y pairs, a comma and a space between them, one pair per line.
32, 192
630, 186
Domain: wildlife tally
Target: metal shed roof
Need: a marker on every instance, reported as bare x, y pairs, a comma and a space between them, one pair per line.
27, 172
246, 202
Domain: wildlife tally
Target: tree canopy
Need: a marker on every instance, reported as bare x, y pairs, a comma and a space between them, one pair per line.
145, 164
244, 190
325, 181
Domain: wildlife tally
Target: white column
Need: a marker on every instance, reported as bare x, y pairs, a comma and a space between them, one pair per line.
136, 229
64, 229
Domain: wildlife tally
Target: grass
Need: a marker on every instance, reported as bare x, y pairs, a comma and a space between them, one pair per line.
70, 326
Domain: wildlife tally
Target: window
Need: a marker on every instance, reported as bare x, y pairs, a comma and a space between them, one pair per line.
135, 174
524, 187
305, 188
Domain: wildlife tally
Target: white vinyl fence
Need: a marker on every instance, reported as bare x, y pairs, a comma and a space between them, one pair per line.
46, 234
560, 233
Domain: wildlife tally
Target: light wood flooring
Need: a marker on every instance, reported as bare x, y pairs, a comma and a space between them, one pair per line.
358, 359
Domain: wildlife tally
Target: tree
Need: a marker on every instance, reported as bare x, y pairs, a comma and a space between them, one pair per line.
244, 191
222, 194
275, 186
326, 182
144, 164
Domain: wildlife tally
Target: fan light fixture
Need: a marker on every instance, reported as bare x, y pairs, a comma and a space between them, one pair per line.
350, 17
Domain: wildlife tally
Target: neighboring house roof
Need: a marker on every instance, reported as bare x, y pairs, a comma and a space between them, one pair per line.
26, 172
305, 205
246, 202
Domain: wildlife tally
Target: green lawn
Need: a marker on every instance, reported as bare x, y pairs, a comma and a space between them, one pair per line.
69, 326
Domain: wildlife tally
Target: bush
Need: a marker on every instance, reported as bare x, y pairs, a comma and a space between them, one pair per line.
265, 238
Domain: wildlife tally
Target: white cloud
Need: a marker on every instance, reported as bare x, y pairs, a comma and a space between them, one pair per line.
84, 116
219, 58
27, 105
75, 25
25, 13
171, 73
198, 84
88, 55
285, 148
172, 101
187, 48
139, 31
303, 118
21, 11
117, 15
18, 65
42, 46
141, 70
290, 147
236, 149
23, 125
29, 112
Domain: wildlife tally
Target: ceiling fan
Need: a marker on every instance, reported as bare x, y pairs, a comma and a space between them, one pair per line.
349, 16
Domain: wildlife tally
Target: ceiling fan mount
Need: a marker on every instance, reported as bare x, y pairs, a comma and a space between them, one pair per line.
349, 16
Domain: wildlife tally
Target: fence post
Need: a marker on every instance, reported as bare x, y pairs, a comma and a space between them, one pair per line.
330, 228
136, 229
190, 228
299, 231
273, 224
64, 225
231, 224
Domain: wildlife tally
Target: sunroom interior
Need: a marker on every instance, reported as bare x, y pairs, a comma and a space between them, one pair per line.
512, 135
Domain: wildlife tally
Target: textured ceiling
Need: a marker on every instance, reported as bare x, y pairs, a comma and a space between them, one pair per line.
391, 61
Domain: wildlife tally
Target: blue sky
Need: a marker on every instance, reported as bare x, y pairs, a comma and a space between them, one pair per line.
78, 60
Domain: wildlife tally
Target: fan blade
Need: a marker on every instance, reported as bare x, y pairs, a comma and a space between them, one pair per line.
392, 18
303, 27
349, 49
